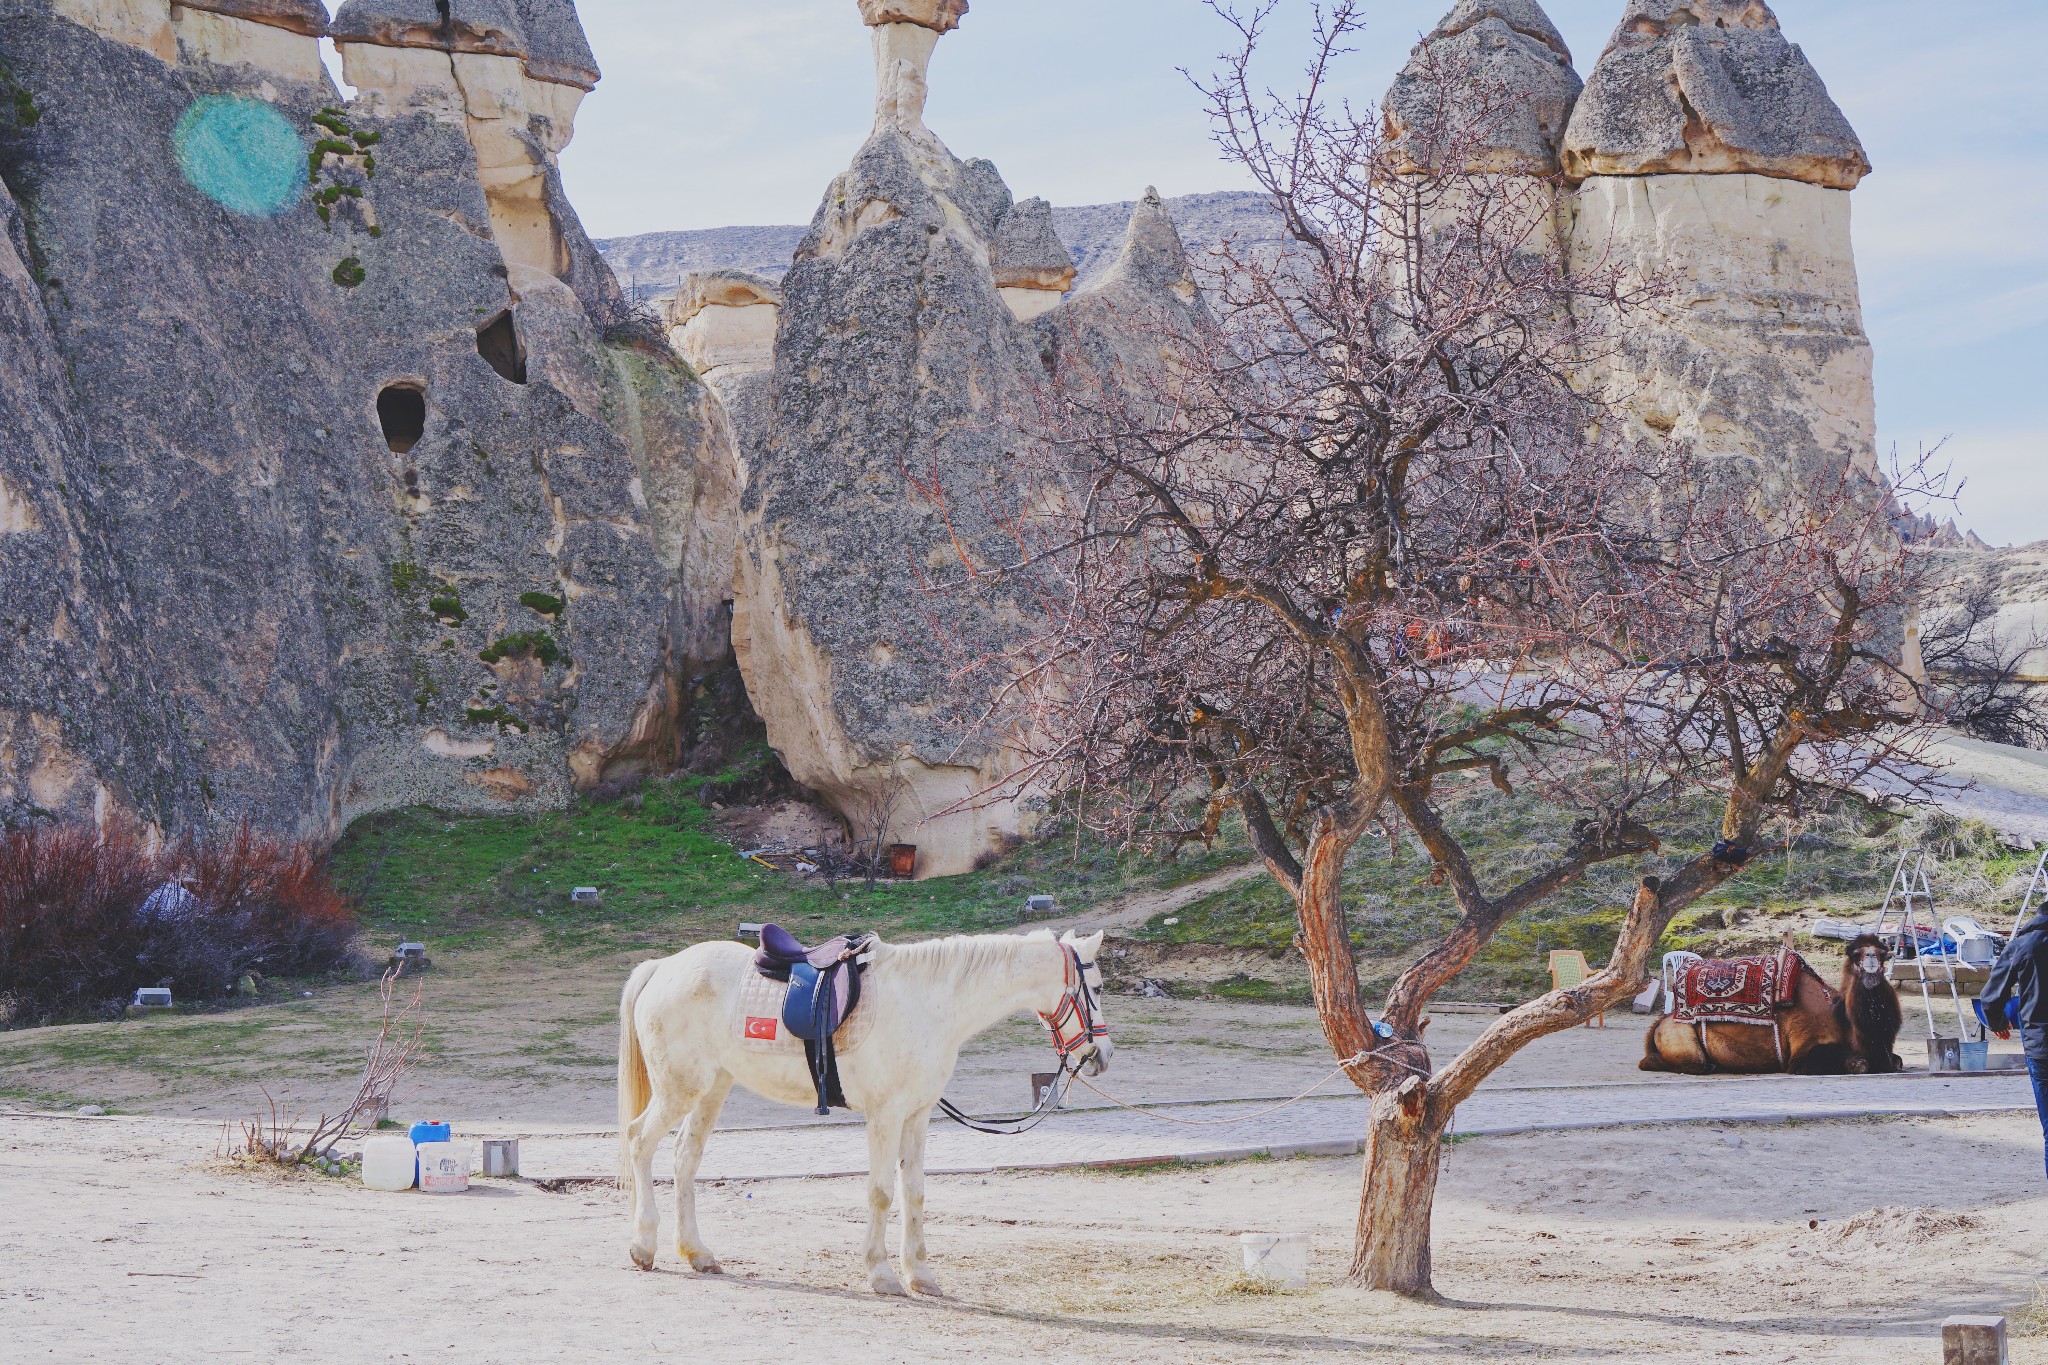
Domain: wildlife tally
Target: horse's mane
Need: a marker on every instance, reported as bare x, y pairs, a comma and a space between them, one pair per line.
960, 955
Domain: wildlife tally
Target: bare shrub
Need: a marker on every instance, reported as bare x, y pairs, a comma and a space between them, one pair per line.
285, 1138
87, 915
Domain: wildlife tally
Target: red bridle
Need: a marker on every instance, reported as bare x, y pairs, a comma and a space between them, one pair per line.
1076, 1011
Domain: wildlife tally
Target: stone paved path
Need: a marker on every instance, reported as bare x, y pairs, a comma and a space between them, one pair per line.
1320, 1126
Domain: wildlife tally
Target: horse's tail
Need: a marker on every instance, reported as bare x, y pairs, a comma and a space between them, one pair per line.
635, 1090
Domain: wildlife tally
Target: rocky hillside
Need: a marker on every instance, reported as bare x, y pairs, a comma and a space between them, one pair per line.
651, 264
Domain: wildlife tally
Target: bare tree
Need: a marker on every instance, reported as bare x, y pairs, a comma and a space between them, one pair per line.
1370, 542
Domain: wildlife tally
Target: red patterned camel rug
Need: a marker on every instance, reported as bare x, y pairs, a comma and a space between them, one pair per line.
1742, 990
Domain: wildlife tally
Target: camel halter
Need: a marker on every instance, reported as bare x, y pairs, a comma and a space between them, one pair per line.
1077, 1010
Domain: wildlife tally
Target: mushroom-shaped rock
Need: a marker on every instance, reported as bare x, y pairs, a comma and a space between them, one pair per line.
940, 16
1032, 266
720, 289
723, 323
556, 49
1027, 252
1492, 87
300, 16
1709, 87
488, 26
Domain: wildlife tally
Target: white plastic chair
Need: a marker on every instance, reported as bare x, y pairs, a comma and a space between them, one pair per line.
1674, 964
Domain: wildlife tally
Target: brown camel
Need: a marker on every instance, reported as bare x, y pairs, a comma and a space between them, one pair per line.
1813, 1038
1870, 1006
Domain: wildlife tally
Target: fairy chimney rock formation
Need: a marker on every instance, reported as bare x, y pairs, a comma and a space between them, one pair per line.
1033, 268
511, 72
1710, 87
1154, 260
277, 37
1495, 81
896, 354
723, 323
904, 34
1713, 159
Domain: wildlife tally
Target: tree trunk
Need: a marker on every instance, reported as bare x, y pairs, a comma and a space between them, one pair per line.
1404, 1147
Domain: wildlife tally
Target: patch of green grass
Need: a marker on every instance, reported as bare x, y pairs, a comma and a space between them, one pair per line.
1255, 990
669, 878
307, 1037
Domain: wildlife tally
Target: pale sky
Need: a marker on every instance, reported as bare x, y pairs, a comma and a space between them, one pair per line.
742, 111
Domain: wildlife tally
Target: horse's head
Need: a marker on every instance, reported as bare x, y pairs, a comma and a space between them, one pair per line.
1094, 1055
1865, 967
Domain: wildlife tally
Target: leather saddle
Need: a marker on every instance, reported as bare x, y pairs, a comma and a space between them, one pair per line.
824, 987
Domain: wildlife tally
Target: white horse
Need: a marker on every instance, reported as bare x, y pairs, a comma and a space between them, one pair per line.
680, 1050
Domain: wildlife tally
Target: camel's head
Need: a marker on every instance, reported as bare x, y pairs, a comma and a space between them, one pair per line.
1095, 1056
1867, 958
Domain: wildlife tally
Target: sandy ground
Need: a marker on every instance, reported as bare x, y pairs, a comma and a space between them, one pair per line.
1833, 1242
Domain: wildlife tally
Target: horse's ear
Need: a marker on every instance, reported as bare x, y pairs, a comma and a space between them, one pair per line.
1087, 947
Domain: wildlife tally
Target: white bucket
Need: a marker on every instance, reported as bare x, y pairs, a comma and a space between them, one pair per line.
444, 1167
387, 1161
1278, 1258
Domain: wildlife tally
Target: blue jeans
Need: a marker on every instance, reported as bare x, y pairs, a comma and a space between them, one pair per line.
2038, 1069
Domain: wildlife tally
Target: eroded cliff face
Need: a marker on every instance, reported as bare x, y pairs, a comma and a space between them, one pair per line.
925, 329
361, 502
81, 717
1712, 159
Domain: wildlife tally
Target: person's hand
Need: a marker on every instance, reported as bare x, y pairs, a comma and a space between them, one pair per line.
2003, 1035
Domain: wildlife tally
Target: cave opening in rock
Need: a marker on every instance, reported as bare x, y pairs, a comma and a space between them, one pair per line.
402, 412
497, 341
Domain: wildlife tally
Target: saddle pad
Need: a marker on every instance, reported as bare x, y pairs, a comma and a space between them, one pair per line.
1743, 990
757, 1020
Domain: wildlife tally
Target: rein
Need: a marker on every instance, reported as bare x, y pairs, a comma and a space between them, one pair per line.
1078, 1011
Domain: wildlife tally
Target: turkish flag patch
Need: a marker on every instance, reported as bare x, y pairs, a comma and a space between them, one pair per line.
761, 1028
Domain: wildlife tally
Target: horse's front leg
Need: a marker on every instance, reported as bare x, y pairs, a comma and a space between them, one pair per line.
885, 1144
914, 1268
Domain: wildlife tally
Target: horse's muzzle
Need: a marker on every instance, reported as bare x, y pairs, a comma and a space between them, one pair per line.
1096, 1061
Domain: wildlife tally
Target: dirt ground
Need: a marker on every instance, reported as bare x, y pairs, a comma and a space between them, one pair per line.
1834, 1242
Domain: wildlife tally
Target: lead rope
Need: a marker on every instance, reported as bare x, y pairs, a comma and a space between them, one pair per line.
1055, 1095
1247, 1118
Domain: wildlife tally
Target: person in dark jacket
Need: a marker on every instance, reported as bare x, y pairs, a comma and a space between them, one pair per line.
2017, 994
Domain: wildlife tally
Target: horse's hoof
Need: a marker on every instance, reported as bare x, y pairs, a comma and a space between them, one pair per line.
885, 1282
703, 1262
927, 1286
644, 1258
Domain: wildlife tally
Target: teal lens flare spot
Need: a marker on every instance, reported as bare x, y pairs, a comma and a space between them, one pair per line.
242, 154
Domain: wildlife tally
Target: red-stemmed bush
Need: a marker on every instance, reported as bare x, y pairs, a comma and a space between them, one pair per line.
87, 915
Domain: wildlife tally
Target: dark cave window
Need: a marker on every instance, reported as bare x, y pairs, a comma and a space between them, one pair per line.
497, 341
402, 412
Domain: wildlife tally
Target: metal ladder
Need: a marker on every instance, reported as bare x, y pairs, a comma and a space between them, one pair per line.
1909, 893
2029, 905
